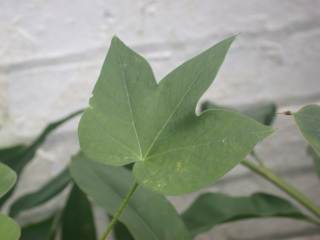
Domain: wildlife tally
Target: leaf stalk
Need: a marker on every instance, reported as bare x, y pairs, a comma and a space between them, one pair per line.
119, 211
294, 193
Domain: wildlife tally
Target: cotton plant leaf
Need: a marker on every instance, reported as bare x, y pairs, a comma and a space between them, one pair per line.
45, 229
121, 232
7, 179
48, 191
17, 157
37, 231
212, 209
9, 229
148, 216
12, 152
77, 219
263, 112
308, 121
132, 119
316, 159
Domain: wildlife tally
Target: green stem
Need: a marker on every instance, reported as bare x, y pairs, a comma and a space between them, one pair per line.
119, 211
284, 186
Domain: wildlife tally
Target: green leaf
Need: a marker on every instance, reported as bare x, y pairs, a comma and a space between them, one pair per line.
49, 190
9, 230
131, 118
148, 216
77, 220
121, 232
37, 231
263, 112
8, 153
308, 121
44, 230
7, 179
212, 209
17, 157
316, 159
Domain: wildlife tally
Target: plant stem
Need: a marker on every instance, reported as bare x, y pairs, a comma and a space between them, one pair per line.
284, 186
119, 211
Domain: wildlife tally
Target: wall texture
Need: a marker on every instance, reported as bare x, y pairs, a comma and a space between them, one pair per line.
51, 53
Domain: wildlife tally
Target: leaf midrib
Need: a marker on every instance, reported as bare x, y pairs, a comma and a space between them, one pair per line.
169, 118
120, 196
124, 77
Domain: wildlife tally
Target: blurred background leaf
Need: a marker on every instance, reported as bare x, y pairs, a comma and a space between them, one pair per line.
316, 159
49, 190
77, 218
212, 209
263, 112
42, 230
17, 157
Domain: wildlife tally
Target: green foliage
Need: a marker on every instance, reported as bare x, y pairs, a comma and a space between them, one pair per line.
34, 199
7, 179
131, 118
148, 215
43, 230
316, 159
212, 209
9, 230
263, 112
17, 157
308, 121
153, 131
77, 219
121, 232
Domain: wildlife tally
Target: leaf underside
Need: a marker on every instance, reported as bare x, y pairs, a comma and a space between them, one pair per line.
131, 118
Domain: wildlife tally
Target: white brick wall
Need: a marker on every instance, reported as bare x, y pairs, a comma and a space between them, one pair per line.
51, 53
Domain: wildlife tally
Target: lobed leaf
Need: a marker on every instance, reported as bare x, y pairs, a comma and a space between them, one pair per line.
308, 121
211, 209
131, 118
107, 186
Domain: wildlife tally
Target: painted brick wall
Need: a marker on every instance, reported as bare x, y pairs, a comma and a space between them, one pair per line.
51, 53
